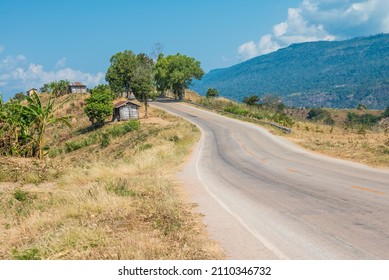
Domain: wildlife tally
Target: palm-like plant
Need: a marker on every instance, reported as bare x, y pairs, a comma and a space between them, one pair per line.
42, 116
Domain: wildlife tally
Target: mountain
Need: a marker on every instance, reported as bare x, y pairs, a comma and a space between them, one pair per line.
338, 74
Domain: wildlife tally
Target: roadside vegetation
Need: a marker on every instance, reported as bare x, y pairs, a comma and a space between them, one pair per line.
74, 185
359, 134
105, 193
271, 109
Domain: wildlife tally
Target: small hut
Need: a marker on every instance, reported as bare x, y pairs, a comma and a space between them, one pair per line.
125, 110
77, 87
31, 91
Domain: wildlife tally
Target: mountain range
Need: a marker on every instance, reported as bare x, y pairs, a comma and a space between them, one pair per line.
337, 74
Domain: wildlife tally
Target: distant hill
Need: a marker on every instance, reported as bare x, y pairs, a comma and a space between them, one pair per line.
339, 74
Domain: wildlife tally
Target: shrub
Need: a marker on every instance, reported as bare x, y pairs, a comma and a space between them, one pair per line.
251, 100
319, 114
105, 140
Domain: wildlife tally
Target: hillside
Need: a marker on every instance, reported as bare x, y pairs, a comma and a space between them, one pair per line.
103, 193
339, 74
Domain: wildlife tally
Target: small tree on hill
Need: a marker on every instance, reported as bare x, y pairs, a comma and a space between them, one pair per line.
212, 93
361, 107
99, 104
251, 100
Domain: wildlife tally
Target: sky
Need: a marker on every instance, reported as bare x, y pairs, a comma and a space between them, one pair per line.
44, 40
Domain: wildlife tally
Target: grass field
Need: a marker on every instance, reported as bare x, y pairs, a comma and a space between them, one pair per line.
117, 200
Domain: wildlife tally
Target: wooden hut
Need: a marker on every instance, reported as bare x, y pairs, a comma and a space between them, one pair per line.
125, 110
31, 91
77, 87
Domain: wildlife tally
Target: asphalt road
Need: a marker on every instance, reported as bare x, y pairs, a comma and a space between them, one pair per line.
265, 198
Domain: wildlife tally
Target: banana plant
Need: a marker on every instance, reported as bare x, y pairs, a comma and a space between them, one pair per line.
42, 116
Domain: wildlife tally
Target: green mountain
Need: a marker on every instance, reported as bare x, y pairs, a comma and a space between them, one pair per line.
338, 74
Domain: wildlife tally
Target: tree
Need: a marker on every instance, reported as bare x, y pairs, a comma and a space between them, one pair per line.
176, 72
161, 80
99, 104
212, 93
142, 83
19, 96
57, 88
121, 72
251, 100
361, 107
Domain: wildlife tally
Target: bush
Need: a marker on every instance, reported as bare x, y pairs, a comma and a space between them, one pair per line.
366, 120
212, 93
251, 100
105, 140
319, 114
282, 119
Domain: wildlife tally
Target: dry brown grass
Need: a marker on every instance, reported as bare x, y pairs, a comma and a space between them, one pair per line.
118, 202
363, 146
370, 147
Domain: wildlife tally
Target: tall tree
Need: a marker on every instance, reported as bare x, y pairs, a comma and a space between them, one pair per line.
121, 72
176, 73
142, 84
161, 70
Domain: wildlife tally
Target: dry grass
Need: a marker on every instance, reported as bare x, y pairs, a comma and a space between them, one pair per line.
370, 147
118, 202
366, 146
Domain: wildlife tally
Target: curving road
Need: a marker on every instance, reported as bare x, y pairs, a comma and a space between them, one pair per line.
265, 198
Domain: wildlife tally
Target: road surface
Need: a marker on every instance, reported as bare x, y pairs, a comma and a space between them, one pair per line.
265, 198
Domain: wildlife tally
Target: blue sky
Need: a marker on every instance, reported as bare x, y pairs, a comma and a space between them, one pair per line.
42, 41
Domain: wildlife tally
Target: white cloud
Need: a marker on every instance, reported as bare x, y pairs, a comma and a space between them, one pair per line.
316, 20
16, 74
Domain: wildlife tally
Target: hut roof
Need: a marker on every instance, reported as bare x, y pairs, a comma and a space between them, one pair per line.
77, 84
123, 103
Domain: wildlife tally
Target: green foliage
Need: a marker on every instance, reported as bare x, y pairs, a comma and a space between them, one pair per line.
385, 114
251, 100
102, 137
238, 110
19, 96
256, 112
142, 84
329, 74
99, 104
366, 120
319, 114
57, 88
29, 254
282, 119
175, 72
212, 93
21, 195
120, 188
119, 130
361, 107
121, 72
129, 72
22, 127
